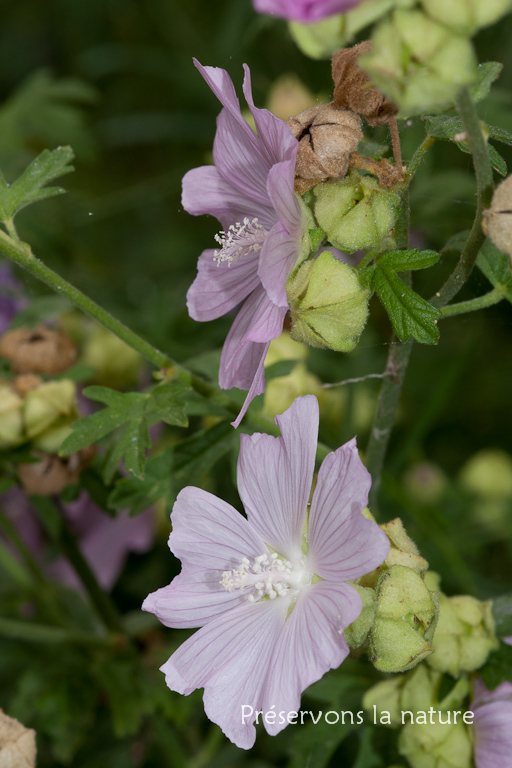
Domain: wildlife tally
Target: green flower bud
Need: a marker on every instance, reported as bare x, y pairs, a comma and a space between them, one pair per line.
488, 474
328, 304
354, 212
425, 482
405, 620
116, 364
386, 697
403, 549
53, 401
437, 745
464, 636
357, 632
11, 420
419, 63
466, 16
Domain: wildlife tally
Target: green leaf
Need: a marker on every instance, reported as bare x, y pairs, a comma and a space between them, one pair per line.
502, 611
280, 368
402, 261
497, 161
166, 401
170, 470
488, 72
410, 315
31, 187
122, 679
315, 744
498, 667
496, 267
128, 413
443, 126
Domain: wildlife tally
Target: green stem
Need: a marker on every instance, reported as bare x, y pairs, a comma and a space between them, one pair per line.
487, 300
484, 190
40, 633
22, 255
418, 155
394, 375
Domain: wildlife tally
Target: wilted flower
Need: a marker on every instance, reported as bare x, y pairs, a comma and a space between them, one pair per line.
269, 592
492, 724
250, 190
303, 10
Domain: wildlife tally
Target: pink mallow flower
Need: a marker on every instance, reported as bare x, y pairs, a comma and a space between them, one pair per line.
304, 10
250, 191
493, 725
269, 591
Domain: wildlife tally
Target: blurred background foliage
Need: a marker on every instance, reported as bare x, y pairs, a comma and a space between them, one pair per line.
114, 79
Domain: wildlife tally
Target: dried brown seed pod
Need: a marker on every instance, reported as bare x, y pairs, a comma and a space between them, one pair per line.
17, 744
497, 220
26, 382
327, 137
352, 87
51, 474
38, 350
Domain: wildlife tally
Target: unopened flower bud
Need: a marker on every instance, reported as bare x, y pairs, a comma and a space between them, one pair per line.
11, 419
38, 350
466, 16
464, 636
419, 63
50, 404
354, 212
328, 304
488, 474
403, 549
497, 220
288, 96
438, 745
116, 364
386, 696
17, 744
327, 136
357, 632
425, 482
405, 620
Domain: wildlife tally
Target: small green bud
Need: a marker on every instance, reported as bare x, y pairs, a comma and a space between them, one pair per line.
437, 745
403, 549
488, 474
466, 16
116, 364
386, 696
464, 636
328, 304
51, 402
11, 420
425, 482
357, 632
405, 620
419, 63
354, 212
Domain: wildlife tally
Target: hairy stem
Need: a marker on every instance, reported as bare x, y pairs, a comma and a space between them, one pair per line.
394, 374
484, 190
418, 155
487, 300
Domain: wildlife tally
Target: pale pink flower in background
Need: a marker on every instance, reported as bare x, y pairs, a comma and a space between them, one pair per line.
493, 725
304, 10
250, 190
272, 600
104, 541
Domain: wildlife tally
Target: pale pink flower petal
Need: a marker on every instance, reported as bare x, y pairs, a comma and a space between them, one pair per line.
493, 726
341, 540
310, 644
304, 10
275, 475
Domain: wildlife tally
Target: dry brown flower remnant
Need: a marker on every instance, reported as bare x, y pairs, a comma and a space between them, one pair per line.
497, 220
52, 474
38, 350
17, 744
329, 134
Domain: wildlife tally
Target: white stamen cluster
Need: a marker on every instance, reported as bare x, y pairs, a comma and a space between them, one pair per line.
268, 575
241, 239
